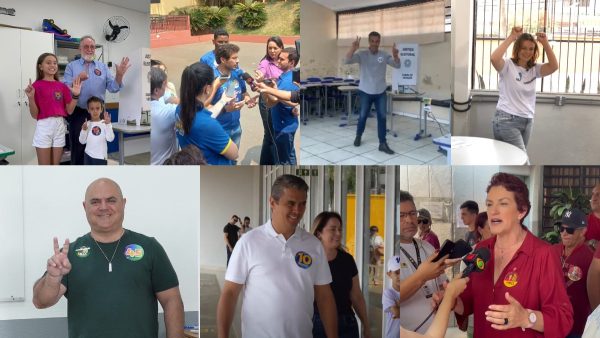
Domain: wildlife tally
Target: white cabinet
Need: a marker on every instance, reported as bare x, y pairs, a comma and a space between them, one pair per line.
18, 61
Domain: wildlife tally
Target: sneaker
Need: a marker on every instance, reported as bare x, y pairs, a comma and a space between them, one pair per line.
357, 141
385, 148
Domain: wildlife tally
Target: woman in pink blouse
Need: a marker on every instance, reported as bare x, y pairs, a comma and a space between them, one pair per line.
268, 70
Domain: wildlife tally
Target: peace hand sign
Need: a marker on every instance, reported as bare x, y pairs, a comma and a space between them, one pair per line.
59, 265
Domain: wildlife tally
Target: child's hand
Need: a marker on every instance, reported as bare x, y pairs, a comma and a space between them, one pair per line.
85, 125
76, 88
106, 117
83, 76
30, 91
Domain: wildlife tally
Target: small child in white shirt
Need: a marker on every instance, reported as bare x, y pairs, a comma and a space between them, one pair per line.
96, 133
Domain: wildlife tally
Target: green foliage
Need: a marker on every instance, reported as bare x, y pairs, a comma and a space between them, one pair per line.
561, 201
217, 16
198, 20
250, 16
181, 11
296, 23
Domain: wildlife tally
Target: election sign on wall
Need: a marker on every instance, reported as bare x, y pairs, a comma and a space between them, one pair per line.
407, 74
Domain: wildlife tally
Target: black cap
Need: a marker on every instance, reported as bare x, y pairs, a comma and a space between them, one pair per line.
574, 218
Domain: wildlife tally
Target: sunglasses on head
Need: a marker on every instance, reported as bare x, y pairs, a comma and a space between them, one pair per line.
570, 231
423, 221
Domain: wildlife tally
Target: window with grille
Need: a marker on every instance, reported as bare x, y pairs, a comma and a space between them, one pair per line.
573, 29
557, 178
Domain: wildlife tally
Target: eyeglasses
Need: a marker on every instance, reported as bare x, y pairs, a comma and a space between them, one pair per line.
570, 231
410, 214
423, 221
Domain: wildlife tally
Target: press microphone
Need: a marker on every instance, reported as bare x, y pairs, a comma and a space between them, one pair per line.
461, 248
249, 80
475, 261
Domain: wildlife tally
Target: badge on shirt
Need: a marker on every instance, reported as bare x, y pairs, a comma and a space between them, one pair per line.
96, 130
519, 77
97, 72
134, 252
403, 265
511, 279
82, 251
303, 260
58, 95
380, 59
574, 273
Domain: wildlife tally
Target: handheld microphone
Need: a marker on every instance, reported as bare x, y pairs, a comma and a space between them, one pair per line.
475, 261
249, 80
461, 248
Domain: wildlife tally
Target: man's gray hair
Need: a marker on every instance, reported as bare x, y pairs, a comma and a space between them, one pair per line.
287, 182
86, 37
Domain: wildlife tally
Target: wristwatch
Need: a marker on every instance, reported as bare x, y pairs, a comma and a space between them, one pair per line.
532, 319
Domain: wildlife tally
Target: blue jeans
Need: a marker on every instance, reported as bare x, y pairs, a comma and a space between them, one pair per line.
88, 160
366, 100
347, 326
285, 151
512, 129
235, 135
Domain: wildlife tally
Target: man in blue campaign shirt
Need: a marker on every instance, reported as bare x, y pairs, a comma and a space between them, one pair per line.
96, 79
285, 121
229, 118
220, 37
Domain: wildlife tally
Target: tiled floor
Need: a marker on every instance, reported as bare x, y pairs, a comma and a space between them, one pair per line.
323, 141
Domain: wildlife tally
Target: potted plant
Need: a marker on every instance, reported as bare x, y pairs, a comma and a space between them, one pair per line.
563, 200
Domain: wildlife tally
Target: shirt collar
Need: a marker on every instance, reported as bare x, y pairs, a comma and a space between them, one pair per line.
82, 62
268, 228
527, 247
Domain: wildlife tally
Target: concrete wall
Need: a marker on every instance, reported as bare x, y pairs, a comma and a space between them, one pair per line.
561, 135
224, 192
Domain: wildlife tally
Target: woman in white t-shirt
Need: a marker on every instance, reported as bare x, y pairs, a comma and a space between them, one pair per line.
513, 120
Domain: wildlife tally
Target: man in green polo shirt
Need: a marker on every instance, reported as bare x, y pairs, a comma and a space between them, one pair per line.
112, 277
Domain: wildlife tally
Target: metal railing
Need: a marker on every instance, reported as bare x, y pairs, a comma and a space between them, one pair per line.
169, 23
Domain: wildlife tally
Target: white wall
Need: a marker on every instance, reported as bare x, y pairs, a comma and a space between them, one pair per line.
224, 192
318, 29
83, 17
161, 202
561, 135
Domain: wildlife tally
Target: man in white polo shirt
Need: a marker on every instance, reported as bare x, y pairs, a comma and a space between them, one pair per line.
282, 270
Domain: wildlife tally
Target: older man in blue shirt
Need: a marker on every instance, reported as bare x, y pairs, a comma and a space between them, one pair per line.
96, 79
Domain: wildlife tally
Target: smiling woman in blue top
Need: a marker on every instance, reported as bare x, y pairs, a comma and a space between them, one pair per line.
194, 123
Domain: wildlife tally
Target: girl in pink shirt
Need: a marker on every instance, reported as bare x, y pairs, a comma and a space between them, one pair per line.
50, 102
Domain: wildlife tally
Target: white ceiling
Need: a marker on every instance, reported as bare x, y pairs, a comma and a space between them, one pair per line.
142, 6
342, 5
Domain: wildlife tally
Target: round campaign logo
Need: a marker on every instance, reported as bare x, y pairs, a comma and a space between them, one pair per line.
58, 95
574, 273
380, 59
480, 263
97, 72
511, 279
134, 252
82, 251
96, 130
303, 260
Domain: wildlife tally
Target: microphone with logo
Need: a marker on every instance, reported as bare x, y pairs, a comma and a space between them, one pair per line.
475, 261
250, 81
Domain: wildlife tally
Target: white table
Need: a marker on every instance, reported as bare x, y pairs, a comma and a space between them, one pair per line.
348, 90
127, 129
468, 150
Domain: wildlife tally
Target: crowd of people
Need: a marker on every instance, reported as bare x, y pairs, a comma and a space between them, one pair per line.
213, 92
527, 288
